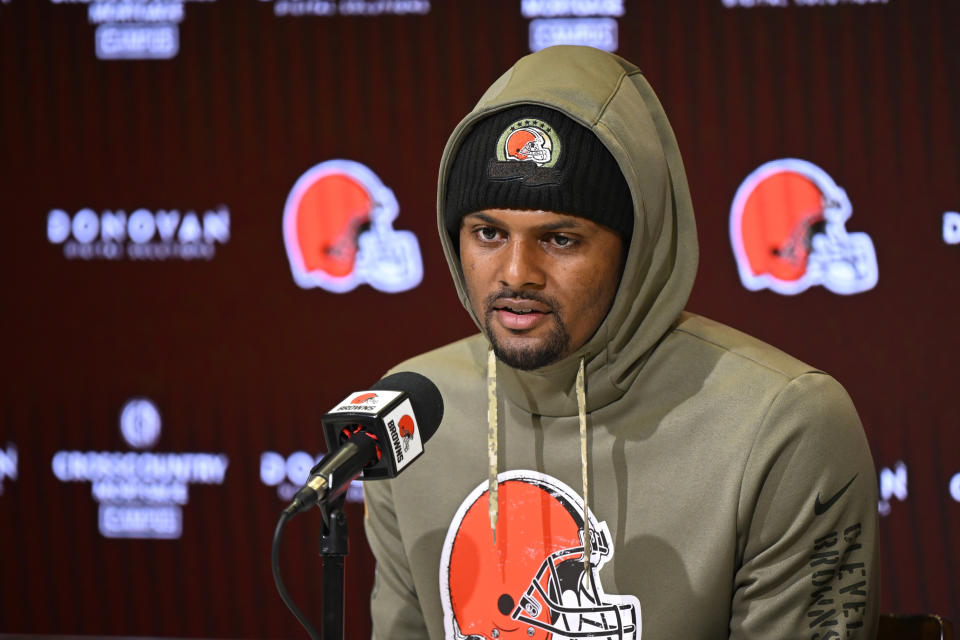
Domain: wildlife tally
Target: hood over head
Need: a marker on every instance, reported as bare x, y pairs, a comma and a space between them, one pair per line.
609, 97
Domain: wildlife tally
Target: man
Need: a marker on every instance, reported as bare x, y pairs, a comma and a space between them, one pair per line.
610, 466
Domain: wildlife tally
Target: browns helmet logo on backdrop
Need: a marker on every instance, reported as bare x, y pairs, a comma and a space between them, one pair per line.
338, 232
788, 231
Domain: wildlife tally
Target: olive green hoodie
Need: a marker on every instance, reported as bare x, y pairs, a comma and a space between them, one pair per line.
731, 489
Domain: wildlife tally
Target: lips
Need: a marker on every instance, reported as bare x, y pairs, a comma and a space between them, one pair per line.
520, 314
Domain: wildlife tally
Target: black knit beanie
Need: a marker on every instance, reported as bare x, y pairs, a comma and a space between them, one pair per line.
534, 157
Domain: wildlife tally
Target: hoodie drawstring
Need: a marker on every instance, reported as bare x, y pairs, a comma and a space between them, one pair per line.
582, 416
493, 450
492, 444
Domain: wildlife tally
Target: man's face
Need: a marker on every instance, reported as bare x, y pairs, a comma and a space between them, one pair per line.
541, 282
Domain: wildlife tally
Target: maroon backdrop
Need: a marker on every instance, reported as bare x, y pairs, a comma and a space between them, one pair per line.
239, 361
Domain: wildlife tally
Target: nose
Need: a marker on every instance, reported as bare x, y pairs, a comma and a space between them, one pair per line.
523, 265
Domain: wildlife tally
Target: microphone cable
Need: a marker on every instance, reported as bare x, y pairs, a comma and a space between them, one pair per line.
281, 588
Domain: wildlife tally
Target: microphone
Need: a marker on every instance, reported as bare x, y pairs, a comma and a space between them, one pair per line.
376, 433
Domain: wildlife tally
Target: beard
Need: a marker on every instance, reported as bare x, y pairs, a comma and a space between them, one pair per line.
534, 356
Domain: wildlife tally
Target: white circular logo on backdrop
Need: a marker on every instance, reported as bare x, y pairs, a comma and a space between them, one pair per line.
140, 423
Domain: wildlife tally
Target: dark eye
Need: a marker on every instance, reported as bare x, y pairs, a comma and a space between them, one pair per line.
560, 240
487, 233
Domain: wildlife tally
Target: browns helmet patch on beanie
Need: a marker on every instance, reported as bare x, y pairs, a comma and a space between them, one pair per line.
534, 157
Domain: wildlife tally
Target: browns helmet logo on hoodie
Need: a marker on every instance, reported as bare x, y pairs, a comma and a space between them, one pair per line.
531, 582
338, 232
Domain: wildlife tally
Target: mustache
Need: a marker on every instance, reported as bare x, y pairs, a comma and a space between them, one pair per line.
507, 292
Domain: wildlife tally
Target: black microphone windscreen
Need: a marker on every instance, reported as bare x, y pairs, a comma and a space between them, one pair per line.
424, 396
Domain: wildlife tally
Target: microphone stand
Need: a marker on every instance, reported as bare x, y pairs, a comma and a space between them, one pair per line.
333, 551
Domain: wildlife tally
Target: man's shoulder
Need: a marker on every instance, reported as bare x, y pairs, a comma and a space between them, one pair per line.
750, 352
763, 381
462, 358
